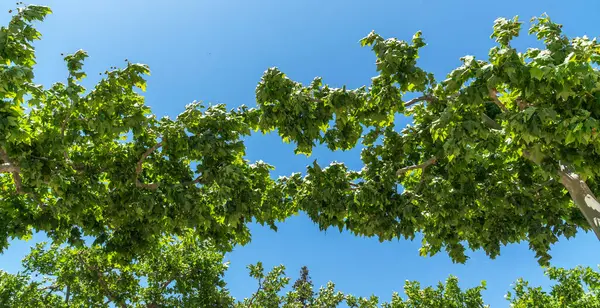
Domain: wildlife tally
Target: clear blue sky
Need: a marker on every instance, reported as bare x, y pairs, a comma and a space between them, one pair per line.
216, 51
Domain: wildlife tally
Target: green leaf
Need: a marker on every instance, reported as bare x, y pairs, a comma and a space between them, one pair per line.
536, 73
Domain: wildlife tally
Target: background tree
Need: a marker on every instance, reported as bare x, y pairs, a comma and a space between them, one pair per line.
184, 272
303, 289
189, 274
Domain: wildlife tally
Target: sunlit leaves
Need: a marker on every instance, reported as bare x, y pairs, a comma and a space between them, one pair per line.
505, 30
481, 153
483, 191
77, 151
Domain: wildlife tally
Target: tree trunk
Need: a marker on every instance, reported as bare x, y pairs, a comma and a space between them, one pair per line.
582, 196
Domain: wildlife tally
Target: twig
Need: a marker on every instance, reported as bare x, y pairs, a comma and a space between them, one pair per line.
52, 288
543, 185
162, 288
138, 168
522, 104
260, 286
10, 167
494, 97
426, 98
195, 181
154, 186
63, 127
102, 283
422, 166
166, 283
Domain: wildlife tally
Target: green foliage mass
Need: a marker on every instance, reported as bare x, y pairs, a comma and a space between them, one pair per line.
504, 150
188, 273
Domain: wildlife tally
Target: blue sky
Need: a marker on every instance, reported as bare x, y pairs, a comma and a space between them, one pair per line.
216, 51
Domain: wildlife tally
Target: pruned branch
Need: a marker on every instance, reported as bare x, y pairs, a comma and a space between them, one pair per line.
138, 168
424, 98
10, 167
494, 97
422, 166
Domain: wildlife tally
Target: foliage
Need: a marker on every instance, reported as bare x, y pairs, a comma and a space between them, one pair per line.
488, 160
272, 283
185, 273
176, 273
578, 287
98, 163
504, 150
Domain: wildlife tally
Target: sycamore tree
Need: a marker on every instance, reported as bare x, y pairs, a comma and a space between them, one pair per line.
504, 150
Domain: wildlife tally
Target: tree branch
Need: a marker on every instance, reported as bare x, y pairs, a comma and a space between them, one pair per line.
581, 194
138, 168
494, 97
422, 166
166, 283
63, 127
354, 186
10, 167
260, 286
102, 283
67, 295
51, 287
195, 181
424, 98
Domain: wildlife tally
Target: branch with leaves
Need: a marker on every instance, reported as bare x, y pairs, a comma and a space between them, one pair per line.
424, 98
421, 166
103, 285
138, 167
496, 100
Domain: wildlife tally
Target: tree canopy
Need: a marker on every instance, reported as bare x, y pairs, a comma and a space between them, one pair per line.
504, 150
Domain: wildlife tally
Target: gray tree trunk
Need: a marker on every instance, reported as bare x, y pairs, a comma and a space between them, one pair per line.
582, 196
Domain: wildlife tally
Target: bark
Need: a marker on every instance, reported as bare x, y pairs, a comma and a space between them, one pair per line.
582, 196
68, 294
138, 168
13, 168
422, 166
